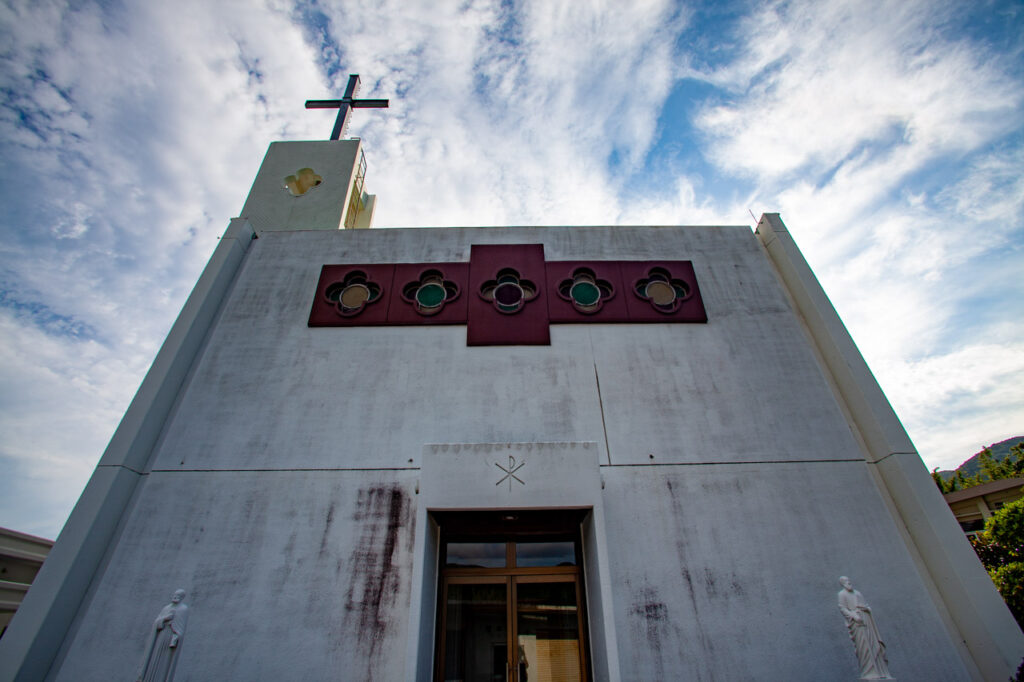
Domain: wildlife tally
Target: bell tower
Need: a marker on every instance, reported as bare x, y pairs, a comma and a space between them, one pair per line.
315, 185
318, 185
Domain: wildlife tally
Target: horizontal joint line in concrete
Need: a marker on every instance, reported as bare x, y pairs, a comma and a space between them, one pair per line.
280, 470
744, 461
121, 466
890, 455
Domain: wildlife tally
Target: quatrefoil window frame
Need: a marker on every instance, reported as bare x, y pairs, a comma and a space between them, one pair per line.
586, 291
353, 293
429, 294
658, 286
508, 292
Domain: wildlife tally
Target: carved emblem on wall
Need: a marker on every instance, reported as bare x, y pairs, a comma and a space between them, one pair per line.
863, 633
164, 644
510, 472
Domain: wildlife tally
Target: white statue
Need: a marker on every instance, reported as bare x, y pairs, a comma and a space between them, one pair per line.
866, 640
165, 642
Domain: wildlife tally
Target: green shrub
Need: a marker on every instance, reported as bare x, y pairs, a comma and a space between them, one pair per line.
1006, 527
1001, 549
1009, 580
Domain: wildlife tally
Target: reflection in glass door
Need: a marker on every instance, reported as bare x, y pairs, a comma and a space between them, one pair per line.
547, 631
511, 612
476, 632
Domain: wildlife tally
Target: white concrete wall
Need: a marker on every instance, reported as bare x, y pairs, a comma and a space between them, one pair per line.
284, 486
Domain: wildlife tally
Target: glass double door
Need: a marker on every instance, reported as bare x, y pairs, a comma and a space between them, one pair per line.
518, 627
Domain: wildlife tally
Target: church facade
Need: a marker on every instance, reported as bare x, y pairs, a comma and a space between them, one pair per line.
535, 453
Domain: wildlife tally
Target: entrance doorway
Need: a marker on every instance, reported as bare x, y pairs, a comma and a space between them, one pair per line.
511, 607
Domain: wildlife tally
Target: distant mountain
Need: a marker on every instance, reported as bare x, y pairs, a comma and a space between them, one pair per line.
973, 465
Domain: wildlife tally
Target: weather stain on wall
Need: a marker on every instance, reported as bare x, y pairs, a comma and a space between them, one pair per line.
327, 529
650, 623
377, 568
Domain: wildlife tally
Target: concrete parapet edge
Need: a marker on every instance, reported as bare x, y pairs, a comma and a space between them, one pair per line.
133, 440
37, 631
985, 625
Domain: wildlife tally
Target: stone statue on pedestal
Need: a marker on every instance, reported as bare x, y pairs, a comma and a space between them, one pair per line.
866, 641
164, 642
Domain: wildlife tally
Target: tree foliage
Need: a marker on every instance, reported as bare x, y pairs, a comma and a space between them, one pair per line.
1001, 549
1011, 466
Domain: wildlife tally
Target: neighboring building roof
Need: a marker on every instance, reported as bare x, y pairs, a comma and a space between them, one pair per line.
983, 489
21, 557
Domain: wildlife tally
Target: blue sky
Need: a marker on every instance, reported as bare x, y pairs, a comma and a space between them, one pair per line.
889, 135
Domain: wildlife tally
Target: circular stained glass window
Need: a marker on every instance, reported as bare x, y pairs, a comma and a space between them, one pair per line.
353, 293
664, 293
508, 291
429, 294
508, 295
585, 291
660, 293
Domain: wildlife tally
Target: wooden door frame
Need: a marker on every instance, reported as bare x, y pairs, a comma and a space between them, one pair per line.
511, 576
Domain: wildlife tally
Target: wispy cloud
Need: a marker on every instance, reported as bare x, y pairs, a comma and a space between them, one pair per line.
888, 134
891, 145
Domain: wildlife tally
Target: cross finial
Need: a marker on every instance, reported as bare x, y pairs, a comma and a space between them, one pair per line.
345, 105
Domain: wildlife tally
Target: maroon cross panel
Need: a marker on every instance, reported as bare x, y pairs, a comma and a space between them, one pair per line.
507, 294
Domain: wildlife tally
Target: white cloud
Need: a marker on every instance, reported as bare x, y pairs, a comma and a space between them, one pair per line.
144, 131
509, 118
984, 376
837, 115
824, 79
133, 132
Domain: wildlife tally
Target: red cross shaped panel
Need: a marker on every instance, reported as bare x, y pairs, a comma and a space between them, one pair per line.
506, 296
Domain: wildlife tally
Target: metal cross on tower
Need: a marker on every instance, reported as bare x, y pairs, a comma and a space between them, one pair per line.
345, 105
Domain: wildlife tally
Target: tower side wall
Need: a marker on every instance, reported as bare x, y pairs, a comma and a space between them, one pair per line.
271, 206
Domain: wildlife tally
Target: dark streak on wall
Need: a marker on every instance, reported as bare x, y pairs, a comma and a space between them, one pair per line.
649, 617
375, 569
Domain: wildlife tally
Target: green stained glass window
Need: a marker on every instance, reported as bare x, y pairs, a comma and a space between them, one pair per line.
429, 294
585, 290
585, 293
